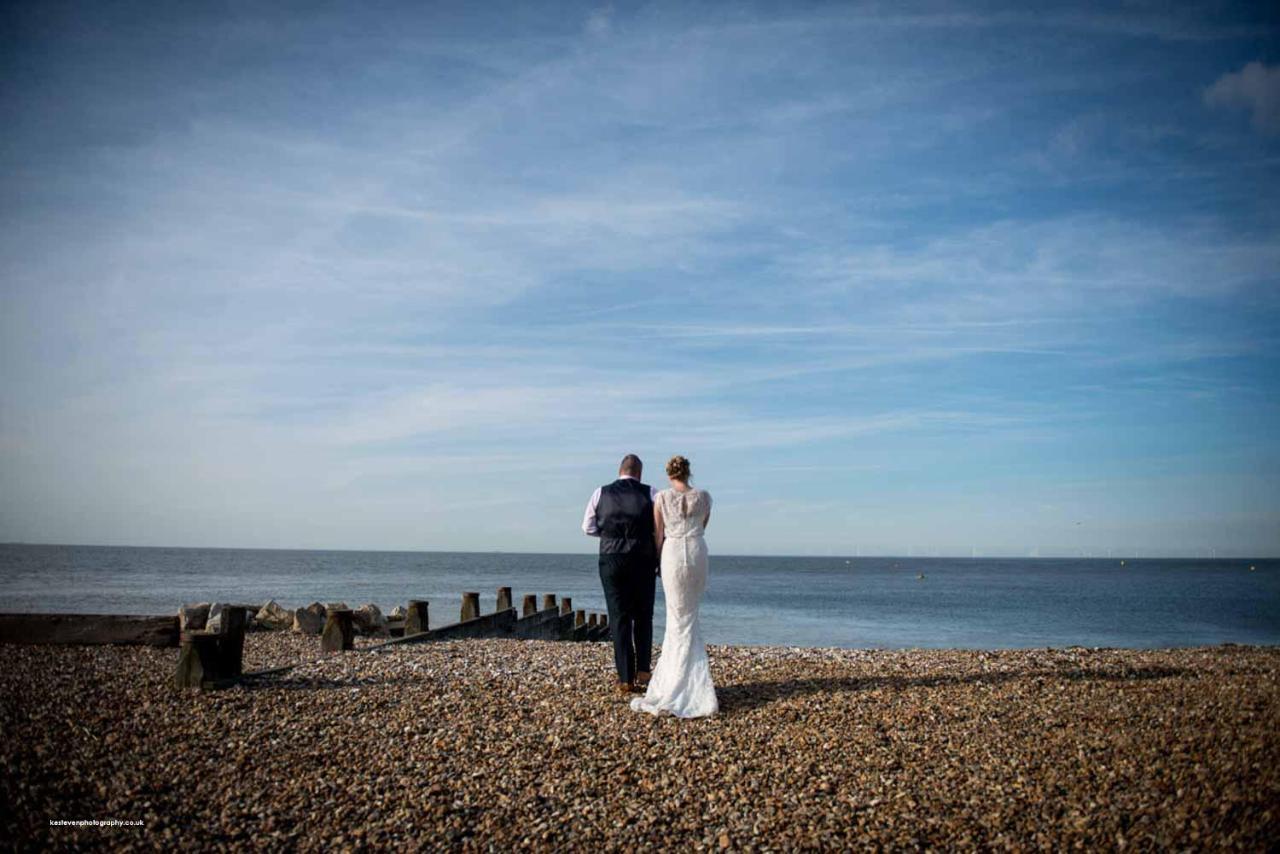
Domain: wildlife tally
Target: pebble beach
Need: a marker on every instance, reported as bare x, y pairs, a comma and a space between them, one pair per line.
499, 745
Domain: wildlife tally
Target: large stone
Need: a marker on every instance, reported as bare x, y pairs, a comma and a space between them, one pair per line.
273, 615
214, 623
193, 617
368, 620
309, 620
399, 612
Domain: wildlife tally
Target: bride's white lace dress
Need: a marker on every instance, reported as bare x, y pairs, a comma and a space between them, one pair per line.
681, 683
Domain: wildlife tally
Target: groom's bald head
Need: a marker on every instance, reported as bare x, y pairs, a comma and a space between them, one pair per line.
631, 465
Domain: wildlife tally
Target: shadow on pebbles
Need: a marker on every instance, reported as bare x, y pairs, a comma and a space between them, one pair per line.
508, 744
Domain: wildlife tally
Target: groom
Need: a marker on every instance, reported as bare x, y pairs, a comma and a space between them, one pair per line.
621, 515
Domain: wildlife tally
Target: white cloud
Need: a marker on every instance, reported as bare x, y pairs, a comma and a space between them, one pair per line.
1025, 268
600, 22
1256, 88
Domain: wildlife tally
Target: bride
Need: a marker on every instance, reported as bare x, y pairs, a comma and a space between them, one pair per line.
681, 683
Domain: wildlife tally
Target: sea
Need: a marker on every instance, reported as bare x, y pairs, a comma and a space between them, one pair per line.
851, 602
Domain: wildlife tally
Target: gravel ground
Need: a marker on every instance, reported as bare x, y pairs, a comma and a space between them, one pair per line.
264, 650
510, 744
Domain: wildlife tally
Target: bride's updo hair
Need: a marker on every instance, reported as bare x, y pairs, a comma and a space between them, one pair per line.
678, 468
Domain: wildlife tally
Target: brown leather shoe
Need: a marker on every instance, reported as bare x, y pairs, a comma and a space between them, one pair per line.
642, 679
624, 689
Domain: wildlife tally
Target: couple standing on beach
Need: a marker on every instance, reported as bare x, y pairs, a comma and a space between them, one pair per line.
644, 533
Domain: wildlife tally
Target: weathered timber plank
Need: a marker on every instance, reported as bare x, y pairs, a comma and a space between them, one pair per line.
139, 630
499, 625
541, 625
567, 631
496, 625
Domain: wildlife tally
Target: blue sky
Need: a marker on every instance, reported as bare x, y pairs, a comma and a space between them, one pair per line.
897, 278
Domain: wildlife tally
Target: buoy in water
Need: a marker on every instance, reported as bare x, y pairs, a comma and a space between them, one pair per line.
1122, 563
1253, 569
920, 575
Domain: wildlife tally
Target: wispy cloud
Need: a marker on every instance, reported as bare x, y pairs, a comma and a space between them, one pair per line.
1059, 265
1255, 88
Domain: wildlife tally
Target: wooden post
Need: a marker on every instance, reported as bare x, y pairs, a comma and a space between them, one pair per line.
231, 641
339, 631
566, 605
197, 659
415, 620
504, 599
470, 607
548, 601
530, 606
208, 659
591, 620
604, 619
580, 619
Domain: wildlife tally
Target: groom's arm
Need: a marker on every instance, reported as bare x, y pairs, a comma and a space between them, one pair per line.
589, 519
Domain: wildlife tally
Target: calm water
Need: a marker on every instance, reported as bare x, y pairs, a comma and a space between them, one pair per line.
863, 602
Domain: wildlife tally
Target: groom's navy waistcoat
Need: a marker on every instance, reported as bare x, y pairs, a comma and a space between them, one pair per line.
624, 517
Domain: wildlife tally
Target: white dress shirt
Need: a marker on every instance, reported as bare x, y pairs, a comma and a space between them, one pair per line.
589, 520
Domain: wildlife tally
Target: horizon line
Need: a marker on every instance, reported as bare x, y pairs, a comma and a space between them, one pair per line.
845, 557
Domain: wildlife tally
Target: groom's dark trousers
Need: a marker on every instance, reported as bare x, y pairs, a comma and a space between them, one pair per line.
628, 567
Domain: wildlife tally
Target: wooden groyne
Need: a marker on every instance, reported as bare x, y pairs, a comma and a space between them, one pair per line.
210, 656
553, 622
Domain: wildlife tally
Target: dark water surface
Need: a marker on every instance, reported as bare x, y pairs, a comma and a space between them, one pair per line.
791, 601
